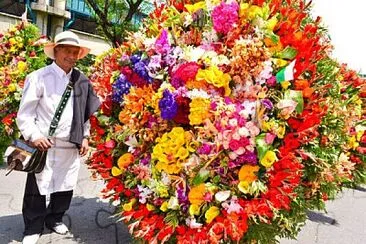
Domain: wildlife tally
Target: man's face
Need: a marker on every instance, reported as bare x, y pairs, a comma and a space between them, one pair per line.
66, 56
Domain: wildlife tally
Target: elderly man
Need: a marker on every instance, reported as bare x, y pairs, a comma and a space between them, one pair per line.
42, 94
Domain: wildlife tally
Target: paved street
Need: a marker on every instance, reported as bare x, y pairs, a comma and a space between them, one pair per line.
90, 221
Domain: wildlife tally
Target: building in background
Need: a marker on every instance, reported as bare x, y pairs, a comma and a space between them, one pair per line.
54, 16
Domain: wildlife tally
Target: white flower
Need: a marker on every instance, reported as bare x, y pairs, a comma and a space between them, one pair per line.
244, 132
192, 223
197, 93
173, 203
193, 54
165, 179
144, 193
233, 122
249, 109
222, 196
232, 206
132, 143
187, 19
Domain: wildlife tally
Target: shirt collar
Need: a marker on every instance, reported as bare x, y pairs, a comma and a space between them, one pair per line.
60, 72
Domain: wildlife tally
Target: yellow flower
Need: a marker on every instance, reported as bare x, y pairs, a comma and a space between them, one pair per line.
254, 11
211, 214
194, 7
12, 87
196, 195
271, 23
150, 207
359, 134
194, 209
248, 173
267, 126
164, 206
352, 143
182, 153
21, 66
192, 146
199, 110
268, 159
169, 151
244, 186
12, 41
213, 75
281, 131
279, 62
128, 206
116, 171
285, 84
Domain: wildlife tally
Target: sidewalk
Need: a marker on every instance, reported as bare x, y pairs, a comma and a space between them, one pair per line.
89, 219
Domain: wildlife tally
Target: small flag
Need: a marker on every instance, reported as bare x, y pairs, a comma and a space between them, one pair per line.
24, 16
287, 73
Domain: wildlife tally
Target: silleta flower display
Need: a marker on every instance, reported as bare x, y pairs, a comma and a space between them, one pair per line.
21, 52
224, 121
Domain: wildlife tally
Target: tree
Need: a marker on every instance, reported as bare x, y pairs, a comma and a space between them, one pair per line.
115, 17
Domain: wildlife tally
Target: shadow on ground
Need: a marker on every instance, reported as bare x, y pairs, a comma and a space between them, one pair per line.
89, 221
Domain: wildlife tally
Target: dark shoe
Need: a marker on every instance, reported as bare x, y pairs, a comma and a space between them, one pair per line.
59, 228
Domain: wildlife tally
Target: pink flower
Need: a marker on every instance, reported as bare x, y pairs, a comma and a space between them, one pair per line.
269, 138
234, 145
271, 82
225, 16
162, 45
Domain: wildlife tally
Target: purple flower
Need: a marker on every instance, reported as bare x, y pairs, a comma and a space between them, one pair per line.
267, 103
146, 160
168, 106
140, 68
249, 158
135, 58
162, 45
204, 149
271, 82
120, 87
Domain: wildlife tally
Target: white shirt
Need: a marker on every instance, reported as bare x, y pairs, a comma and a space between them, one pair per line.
42, 93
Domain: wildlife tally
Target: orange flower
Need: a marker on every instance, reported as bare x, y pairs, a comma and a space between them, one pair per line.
248, 173
125, 160
196, 195
301, 84
307, 92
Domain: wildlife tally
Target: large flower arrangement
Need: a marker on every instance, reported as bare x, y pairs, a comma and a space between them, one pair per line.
224, 121
21, 52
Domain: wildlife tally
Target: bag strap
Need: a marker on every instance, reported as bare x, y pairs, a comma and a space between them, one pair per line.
61, 106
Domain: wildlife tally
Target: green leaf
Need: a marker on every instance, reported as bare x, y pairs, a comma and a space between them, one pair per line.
296, 96
262, 146
201, 177
288, 53
274, 38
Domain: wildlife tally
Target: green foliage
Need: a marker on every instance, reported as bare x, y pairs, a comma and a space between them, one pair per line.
115, 18
85, 64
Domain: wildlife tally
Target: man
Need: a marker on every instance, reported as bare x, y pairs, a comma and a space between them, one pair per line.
42, 93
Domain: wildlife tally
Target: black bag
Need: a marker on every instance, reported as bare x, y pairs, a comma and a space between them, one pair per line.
21, 156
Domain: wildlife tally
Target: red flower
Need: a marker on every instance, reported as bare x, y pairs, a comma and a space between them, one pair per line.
183, 110
9, 119
184, 72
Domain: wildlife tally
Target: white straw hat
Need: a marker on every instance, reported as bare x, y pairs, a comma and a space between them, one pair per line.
65, 38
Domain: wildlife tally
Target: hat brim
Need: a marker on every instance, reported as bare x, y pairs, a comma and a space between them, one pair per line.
49, 49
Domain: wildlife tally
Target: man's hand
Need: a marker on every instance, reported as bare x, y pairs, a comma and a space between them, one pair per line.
42, 144
84, 147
